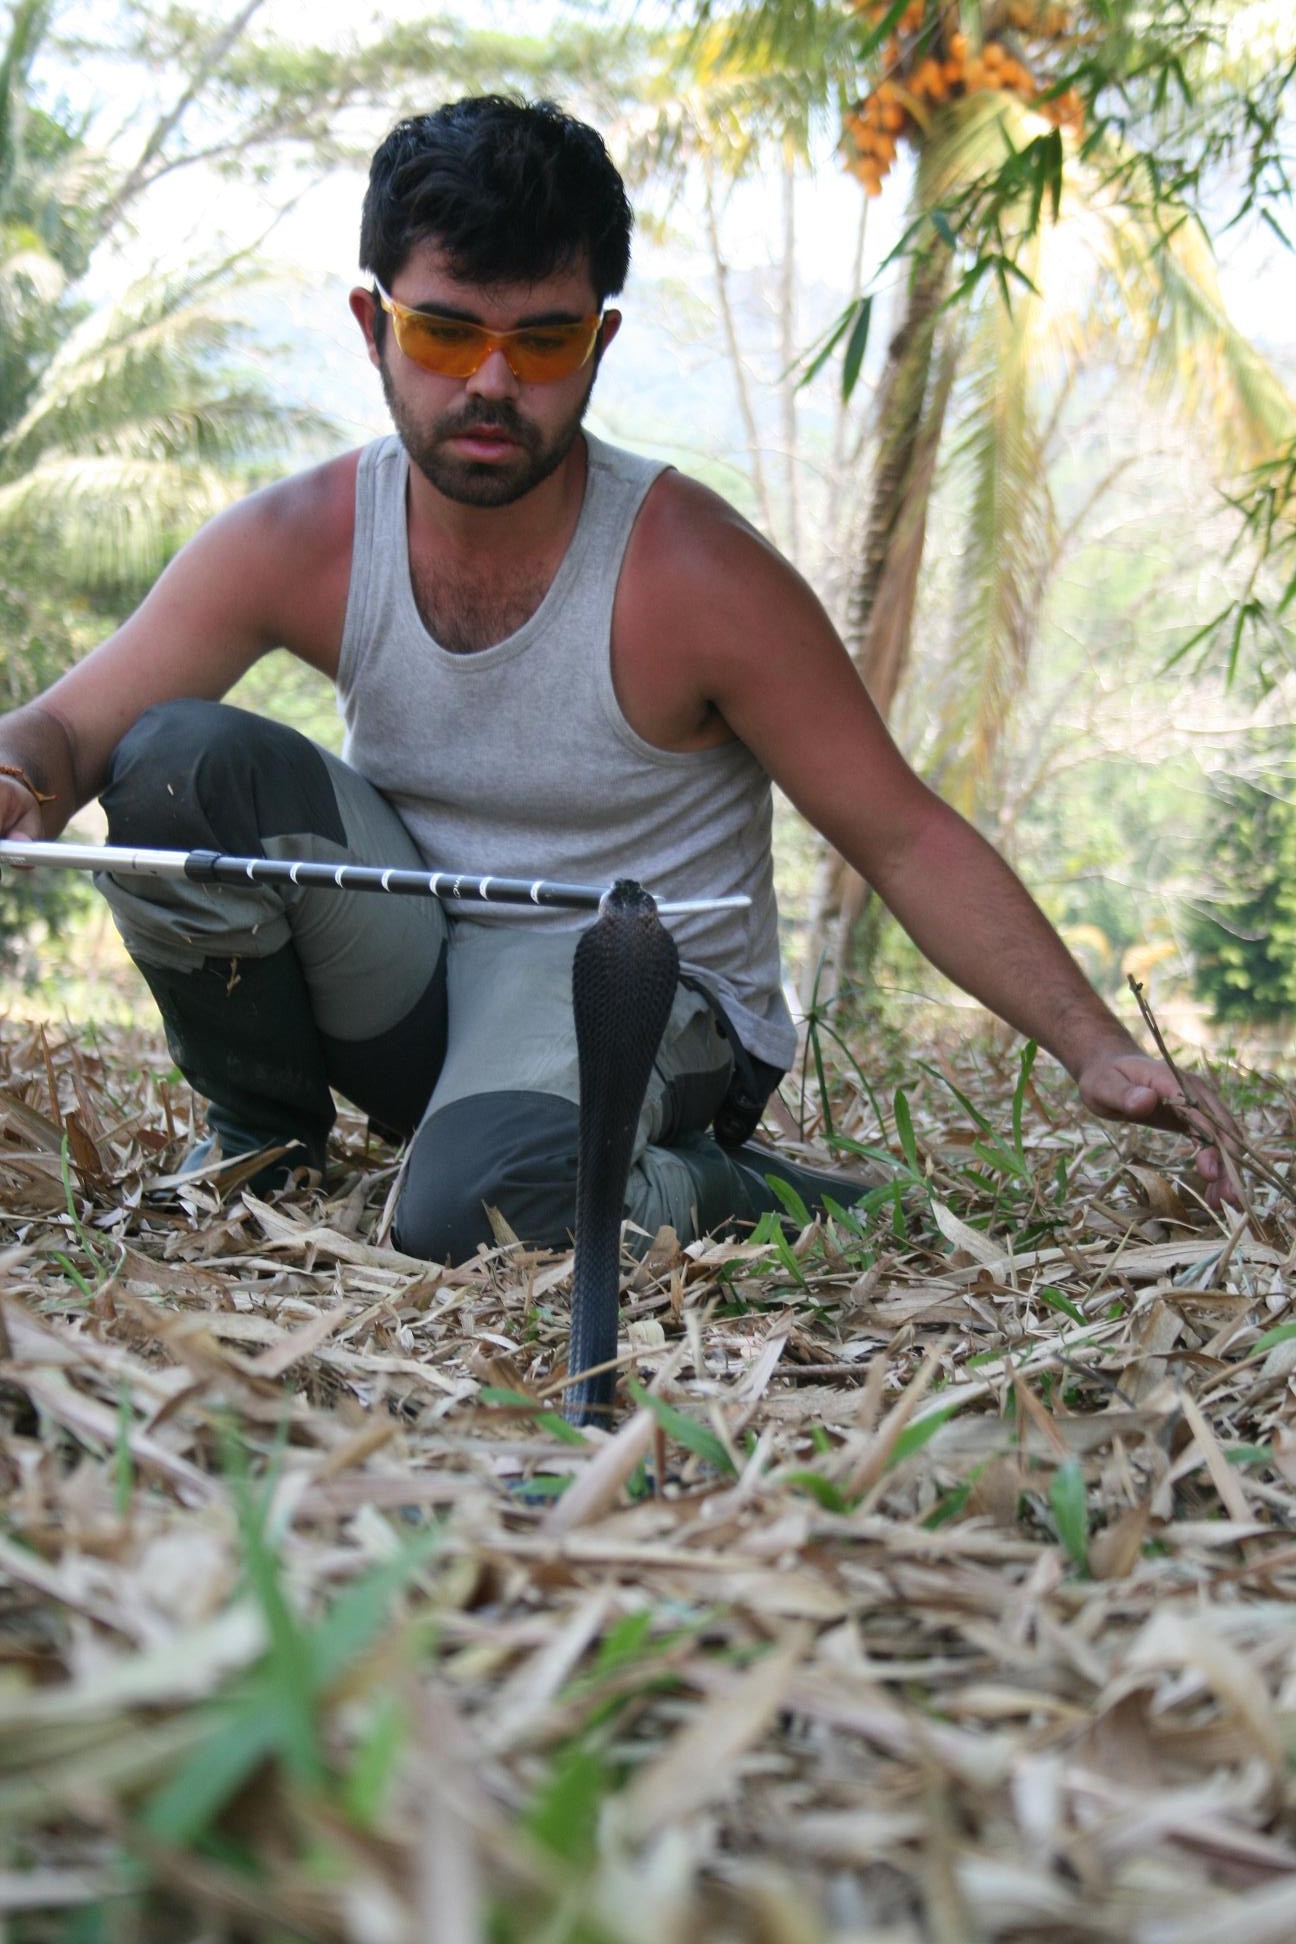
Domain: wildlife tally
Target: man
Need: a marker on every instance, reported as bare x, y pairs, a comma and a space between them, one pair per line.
553, 658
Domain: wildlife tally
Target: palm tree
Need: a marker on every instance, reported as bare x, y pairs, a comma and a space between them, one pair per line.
120, 427
1118, 274
136, 429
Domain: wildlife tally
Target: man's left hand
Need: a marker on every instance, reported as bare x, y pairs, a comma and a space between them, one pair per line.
1130, 1086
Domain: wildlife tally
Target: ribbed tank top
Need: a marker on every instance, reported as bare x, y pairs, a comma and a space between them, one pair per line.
516, 760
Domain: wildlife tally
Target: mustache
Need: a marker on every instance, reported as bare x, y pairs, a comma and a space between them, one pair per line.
503, 417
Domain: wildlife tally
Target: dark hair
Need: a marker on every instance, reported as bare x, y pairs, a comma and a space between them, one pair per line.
511, 190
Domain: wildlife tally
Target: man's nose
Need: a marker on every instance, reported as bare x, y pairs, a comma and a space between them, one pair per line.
493, 378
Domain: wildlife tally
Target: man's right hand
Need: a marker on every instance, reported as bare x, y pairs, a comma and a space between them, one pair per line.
21, 812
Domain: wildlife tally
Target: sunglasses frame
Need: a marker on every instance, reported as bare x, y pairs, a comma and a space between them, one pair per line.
489, 341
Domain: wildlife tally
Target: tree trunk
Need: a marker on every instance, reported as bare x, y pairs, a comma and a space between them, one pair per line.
912, 401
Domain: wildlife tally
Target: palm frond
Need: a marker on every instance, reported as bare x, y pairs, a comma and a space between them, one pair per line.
715, 93
104, 523
116, 367
999, 471
1174, 316
229, 429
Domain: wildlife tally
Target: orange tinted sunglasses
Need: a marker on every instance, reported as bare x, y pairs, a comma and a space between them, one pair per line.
537, 354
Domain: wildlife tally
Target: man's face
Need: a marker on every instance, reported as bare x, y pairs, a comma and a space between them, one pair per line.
489, 439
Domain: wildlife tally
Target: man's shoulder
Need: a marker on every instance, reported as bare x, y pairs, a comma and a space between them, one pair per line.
284, 554
704, 599
315, 506
686, 530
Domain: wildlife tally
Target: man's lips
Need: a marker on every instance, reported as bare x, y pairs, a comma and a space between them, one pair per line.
486, 439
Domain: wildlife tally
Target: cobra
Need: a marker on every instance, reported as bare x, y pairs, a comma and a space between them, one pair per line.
623, 982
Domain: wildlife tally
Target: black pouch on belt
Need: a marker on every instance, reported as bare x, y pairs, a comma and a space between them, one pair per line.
752, 1082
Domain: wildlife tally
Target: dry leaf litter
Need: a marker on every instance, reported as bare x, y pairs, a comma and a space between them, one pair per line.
934, 1582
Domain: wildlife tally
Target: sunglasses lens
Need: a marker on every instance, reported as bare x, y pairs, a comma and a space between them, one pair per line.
440, 344
539, 356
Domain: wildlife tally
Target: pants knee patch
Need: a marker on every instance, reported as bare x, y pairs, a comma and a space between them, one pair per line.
205, 775
513, 1151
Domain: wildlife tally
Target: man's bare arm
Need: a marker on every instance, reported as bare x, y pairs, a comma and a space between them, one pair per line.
270, 571
776, 671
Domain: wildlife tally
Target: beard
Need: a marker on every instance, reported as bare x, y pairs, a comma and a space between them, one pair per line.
476, 482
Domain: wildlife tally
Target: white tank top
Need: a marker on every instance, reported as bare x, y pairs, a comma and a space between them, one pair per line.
516, 760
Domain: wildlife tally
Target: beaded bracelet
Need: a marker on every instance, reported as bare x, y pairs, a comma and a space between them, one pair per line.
20, 775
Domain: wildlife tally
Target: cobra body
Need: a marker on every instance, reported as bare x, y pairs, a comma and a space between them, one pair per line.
623, 983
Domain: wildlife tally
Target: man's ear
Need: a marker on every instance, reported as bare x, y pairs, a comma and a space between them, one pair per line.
607, 331
364, 309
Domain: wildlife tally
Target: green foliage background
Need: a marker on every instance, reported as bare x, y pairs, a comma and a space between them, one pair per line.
1244, 931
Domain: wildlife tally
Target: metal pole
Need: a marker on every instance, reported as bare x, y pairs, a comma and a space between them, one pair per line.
217, 867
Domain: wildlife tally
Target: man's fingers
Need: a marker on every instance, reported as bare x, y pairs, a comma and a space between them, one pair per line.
1170, 1112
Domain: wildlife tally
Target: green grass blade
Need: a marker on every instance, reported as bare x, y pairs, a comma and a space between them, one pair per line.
915, 1436
564, 1813
251, 1729
821, 1489
1283, 1333
973, 1112
624, 1641
289, 1665
1025, 1067
905, 1130
369, 1781
124, 1483
1054, 1299
182, 1809
790, 1199
1069, 1503
695, 1437
547, 1420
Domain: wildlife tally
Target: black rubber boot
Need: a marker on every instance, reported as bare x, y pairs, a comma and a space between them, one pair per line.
731, 1184
242, 1033
812, 1184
